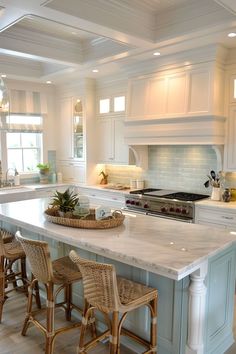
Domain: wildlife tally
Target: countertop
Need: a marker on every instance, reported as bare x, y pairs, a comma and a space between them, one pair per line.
166, 247
104, 188
216, 204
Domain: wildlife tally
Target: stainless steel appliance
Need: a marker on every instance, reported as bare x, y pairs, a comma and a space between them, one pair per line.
163, 203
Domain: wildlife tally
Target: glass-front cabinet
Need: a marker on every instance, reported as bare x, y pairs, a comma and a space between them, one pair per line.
78, 130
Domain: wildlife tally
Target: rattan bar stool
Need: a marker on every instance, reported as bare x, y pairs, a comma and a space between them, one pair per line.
62, 273
12, 277
114, 297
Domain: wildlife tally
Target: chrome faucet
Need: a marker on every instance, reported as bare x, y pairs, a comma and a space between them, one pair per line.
6, 179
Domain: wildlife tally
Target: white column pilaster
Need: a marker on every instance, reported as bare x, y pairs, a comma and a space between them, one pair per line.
196, 311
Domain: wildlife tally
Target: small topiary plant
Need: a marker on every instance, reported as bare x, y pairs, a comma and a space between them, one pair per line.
65, 202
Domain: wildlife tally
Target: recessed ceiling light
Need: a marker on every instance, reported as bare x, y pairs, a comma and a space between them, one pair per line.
156, 53
74, 33
48, 82
232, 34
3, 75
95, 70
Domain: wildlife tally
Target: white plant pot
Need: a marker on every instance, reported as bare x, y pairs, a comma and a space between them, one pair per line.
216, 193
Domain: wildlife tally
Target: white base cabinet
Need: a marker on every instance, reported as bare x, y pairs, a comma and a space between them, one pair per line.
219, 216
98, 196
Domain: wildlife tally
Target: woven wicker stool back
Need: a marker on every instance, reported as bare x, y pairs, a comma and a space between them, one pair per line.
100, 285
38, 255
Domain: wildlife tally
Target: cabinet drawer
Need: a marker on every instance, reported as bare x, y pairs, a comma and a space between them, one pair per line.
214, 216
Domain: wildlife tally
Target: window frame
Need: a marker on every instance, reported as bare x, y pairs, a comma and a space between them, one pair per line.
38, 147
4, 148
112, 105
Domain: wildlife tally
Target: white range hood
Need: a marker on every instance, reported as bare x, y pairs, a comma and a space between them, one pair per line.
201, 130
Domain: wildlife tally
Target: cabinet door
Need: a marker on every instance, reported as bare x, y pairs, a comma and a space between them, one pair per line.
79, 173
232, 91
65, 136
137, 99
156, 101
121, 149
106, 140
199, 92
176, 94
230, 146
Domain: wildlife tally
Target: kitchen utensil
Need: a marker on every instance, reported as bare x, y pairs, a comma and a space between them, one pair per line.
213, 175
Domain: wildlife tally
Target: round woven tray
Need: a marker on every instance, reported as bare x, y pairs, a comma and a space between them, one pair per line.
88, 222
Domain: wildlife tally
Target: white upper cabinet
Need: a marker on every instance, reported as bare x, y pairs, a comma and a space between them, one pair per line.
181, 107
230, 141
199, 92
111, 147
190, 92
230, 146
65, 111
156, 98
176, 94
233, 89
137, 98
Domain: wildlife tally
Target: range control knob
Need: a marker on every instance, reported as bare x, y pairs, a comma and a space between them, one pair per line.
128, 201
178, 210
137, 203
184, 211
146, 206
172, 209
163, 209
132, 202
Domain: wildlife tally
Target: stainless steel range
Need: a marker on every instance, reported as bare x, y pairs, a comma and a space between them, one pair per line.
163, 203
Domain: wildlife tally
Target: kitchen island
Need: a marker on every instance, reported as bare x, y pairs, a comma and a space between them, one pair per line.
192, 266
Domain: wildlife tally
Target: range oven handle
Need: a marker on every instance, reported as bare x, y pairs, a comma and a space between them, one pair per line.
190, 221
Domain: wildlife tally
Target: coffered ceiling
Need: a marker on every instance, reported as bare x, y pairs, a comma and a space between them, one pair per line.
59, 40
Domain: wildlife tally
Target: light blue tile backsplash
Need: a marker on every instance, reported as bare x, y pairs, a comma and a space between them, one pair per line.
182, 168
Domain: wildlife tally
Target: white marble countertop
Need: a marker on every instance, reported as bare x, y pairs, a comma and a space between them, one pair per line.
104, 188
216, 204
170, 248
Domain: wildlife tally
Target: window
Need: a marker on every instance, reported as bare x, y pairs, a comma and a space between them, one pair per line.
104, 106
114, 104
119, 104
21, 142
24, 151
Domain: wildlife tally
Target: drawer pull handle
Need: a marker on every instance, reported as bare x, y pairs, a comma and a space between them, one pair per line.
227, 217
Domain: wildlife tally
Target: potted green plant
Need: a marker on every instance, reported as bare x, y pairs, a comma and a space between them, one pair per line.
44, 169
65, 202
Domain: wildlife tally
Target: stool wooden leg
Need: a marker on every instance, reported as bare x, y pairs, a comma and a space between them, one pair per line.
2, 286
114, 332
29, 309
50, 334
24, 273
37, 294
153, 339
83, 326
68, 296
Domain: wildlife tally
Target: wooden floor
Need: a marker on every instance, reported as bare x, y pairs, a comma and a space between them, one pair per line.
11, 341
